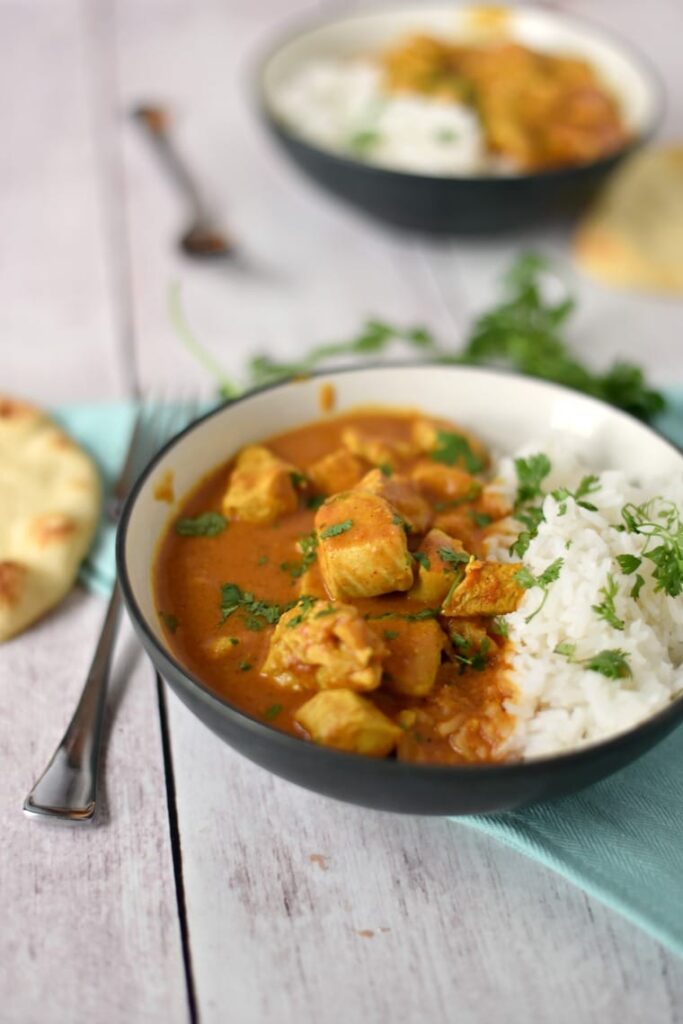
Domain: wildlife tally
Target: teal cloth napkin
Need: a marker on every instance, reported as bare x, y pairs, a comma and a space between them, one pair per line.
621, 840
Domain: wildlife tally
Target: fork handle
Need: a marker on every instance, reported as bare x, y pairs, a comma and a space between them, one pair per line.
67, 789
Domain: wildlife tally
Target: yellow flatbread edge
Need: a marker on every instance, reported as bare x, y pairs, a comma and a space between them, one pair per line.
50, 501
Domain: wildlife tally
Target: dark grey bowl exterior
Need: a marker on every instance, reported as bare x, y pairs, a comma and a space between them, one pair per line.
450, 206
396, 785
384, 784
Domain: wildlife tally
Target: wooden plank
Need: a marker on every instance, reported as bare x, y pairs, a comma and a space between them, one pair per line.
89, 920
304, 908
288, 894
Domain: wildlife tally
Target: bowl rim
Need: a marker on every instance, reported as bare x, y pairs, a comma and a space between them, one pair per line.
286, 740
305, 24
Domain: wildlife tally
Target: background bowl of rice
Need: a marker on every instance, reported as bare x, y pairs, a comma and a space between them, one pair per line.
593, 724
465, 202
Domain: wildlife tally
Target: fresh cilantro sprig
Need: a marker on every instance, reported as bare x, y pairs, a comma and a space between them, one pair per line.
659, 521
606, 609
523, 332
531, 472
527, 580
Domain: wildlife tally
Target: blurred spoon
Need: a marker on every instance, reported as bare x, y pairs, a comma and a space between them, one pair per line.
203, 238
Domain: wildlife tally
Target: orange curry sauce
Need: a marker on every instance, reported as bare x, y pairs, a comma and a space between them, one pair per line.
460, 720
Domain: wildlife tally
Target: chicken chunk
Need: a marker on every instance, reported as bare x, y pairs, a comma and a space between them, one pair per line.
492, 502
380, 451
414, 656
460, 526
489, 588
338, 471
345, 721
438, 557
445, 483
323, 646
456, 447
362, 546
261, 487
402, 494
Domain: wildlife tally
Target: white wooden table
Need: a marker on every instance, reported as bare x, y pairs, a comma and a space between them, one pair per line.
210, 890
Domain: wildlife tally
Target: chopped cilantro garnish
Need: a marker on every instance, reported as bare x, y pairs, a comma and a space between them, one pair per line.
170, 621
307, 544
453, 559
480, 518
299, 480
245, 666
466, 655
610, 663
588, 485
258, 613
422, 559
386, 468
526, 579
606, 610
335, 529
208, 524
272, 712
363, 141
315, 501
638, 585
454, 448
499, 626
389, 634
262, 560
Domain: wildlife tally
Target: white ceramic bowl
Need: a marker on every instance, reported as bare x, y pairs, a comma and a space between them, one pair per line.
505, 411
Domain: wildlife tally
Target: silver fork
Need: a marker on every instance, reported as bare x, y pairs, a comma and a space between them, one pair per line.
67, 789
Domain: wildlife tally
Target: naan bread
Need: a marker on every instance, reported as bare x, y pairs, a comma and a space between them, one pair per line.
50, 500
633, 236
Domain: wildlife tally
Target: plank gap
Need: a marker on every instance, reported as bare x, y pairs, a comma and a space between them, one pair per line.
176, 852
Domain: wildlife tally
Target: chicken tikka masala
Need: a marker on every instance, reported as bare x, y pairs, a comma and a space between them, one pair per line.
333, 581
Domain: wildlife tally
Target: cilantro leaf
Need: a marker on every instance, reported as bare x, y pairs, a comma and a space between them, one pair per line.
531, 472
454, 448
272, 712
208, 524
611, 663
628, 563
423, 559
170, 621
336, 529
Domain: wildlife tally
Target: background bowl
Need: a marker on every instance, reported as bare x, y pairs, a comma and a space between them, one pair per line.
459, 205
505, 411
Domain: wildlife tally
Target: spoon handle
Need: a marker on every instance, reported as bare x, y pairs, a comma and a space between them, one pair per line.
154, 122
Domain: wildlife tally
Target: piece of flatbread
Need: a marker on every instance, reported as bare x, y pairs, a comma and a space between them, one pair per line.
50, 499
633, 235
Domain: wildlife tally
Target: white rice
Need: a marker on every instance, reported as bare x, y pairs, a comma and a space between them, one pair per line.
340, 105
560, 704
